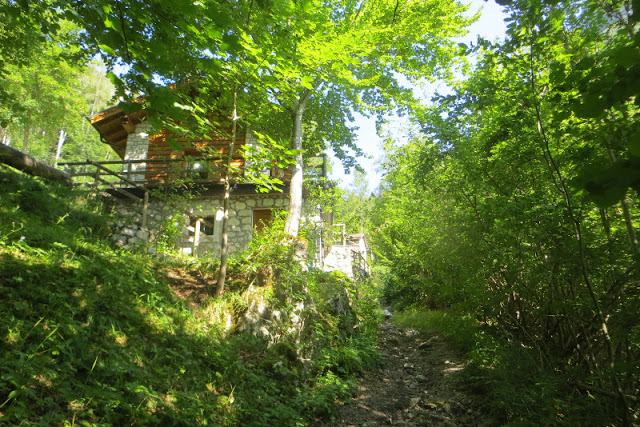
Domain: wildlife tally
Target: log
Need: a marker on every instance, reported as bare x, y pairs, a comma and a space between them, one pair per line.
19, 160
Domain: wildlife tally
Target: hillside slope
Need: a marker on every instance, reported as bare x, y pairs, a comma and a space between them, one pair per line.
94, 335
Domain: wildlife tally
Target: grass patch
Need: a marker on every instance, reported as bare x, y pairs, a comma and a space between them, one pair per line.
461, 331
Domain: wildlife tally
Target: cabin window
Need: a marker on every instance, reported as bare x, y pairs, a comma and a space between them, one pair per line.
206, 229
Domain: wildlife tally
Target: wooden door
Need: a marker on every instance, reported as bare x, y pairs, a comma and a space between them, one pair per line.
261, 219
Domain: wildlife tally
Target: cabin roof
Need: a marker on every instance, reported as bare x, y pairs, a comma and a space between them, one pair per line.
114, 126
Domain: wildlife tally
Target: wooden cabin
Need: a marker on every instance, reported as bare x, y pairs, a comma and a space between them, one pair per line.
151, 161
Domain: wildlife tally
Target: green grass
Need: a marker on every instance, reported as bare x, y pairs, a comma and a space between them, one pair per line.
461, 331
93, 335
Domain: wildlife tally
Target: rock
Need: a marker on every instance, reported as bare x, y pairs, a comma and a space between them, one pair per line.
119, 239
128, 232
428, 343
141, 234
431, 405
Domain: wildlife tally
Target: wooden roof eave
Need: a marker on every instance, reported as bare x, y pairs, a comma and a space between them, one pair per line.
114, 127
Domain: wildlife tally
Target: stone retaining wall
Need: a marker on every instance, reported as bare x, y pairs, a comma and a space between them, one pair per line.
339, 258
165, 222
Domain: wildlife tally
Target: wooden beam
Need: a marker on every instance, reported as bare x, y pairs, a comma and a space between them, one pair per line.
122, 191
32, 166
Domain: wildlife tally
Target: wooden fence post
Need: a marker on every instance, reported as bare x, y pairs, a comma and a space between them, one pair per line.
96, 178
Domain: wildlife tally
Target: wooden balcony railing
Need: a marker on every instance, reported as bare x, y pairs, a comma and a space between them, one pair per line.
153, 173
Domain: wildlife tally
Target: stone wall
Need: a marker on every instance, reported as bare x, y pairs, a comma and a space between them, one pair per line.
239, 227
137, 149
163, 220
127, 228
339, 258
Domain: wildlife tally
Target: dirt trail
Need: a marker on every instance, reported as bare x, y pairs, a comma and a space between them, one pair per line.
415, 387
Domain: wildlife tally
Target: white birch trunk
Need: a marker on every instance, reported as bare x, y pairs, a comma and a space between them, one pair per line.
61, 139
295, 187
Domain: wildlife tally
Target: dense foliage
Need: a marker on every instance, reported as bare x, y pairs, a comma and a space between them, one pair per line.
513, 205
92, 334
46, 101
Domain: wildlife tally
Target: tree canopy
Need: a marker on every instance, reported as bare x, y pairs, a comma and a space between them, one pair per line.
353, 53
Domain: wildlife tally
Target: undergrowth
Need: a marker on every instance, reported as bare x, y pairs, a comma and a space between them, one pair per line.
519, 385
93, 335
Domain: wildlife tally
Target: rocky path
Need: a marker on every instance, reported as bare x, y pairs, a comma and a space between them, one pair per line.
415, 387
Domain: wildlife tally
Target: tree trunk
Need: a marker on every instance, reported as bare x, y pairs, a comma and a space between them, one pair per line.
295, 188
222, 273
25, 138
28, 164
61, 139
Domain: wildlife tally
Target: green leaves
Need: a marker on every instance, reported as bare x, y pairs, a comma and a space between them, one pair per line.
609, 185
634, 144
174, 144
107, 49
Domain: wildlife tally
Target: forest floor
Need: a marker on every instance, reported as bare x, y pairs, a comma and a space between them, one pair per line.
417, 386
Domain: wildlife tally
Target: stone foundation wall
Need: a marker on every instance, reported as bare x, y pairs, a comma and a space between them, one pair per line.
239, 227
165, 222
127, 228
